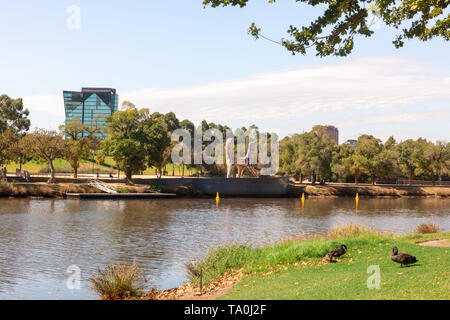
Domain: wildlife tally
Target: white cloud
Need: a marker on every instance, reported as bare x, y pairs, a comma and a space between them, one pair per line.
50, 104
369, 85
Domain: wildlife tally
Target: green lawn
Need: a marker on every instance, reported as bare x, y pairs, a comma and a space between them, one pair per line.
62, 166
347, 279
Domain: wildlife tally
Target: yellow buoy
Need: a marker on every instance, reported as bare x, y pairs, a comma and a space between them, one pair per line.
303, 200
217, 199
357, 198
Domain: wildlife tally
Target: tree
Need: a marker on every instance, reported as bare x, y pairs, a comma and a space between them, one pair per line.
288, 152
77, 144
190, 127
172, 124
47, 145
367, 152
406, 161
439, 155
340, 161
156, 141
13, 115
315, 151
9, 144
386, 162
422, 162
126, 141
334, 32
127, 105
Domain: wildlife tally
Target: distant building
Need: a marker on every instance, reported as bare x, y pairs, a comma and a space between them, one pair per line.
91, 106
333, 132
352, 143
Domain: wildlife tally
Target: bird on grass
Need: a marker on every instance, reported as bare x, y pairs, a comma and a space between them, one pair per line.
403, 258
328, 257
339, 252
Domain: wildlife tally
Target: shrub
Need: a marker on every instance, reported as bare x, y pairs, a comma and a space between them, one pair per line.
123, 190
427, 228
119, 282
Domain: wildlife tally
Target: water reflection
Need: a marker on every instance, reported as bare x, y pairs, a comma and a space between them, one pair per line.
41, 238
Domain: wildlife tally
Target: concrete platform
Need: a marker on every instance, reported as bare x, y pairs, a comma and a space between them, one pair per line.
120, 196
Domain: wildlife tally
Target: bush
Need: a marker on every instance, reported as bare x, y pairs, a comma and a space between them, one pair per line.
119, 282
123, 190
427, 228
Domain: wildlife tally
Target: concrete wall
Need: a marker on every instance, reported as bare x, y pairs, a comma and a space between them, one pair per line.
253, 187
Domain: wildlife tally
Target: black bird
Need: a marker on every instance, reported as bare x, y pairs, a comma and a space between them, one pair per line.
328, 257
403, 258
339, 252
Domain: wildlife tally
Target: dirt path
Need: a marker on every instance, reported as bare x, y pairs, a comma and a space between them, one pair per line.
212, 292
436, 243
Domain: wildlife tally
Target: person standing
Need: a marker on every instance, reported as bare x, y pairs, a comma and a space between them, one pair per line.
229, 154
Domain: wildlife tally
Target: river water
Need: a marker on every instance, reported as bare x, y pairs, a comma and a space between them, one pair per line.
40, 239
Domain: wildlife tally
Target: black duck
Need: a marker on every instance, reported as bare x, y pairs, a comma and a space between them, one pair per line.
339, 252
403, 258
328, 257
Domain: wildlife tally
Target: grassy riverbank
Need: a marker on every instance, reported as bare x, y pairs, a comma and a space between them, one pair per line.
350, 190
44, 190
294, 269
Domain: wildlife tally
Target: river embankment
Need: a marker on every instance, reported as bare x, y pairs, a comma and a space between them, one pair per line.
45, 190
232, 188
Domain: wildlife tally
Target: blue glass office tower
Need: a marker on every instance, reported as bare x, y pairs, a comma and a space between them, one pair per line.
91, 106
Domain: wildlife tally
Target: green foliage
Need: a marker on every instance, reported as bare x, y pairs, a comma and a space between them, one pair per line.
125, 142
308, 154
13, 116
335, 30
368, 155
79, 143
45, 145
156, 140
9, 146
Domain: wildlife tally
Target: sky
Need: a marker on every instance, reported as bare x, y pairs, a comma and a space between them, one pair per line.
201, 64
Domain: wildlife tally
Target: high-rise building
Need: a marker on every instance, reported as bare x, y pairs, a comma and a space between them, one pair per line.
91, 106
352, 143
333, 132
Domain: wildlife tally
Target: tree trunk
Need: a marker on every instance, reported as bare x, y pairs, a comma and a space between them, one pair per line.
129, 178
373, 180
173, 170
356, 179
301, 178
440, 179
183, 171
75, 173
313, 180
52, 173
20, 163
